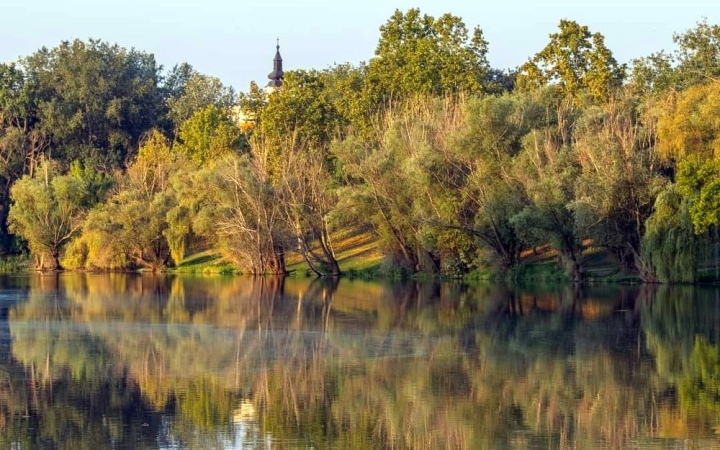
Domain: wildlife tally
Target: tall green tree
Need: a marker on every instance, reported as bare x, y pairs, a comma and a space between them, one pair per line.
209, 134
48, 211
420, 54
694, 61
302, 115
547, 169
191, 92
95, 100
698, 54
575, 60
486, 148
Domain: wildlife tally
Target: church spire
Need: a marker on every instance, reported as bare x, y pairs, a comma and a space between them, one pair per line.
276, 75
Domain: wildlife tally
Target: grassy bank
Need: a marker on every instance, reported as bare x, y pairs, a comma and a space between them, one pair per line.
357, 252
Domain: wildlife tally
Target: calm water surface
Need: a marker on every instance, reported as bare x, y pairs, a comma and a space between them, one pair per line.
150, 362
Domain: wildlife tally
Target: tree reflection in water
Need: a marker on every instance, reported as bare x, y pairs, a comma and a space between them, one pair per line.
130, 361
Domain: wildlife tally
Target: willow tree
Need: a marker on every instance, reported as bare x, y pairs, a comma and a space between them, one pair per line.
547, 173
291, 142
547, 168
307, 195
619, 179
48, 210
129, 229
233, 205
489, 196
399, 183
699, 180
670, 245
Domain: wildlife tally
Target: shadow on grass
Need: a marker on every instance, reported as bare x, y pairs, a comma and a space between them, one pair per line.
201, 259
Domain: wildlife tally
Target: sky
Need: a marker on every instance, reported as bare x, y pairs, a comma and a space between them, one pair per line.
235, 40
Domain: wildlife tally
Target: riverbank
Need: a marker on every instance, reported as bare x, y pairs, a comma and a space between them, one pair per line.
360, 257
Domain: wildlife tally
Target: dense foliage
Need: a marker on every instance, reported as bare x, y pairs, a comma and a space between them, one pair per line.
438, 154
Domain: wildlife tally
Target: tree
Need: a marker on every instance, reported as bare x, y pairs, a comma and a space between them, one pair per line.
654, 74
689, 123
695, 61
699, 181
670, 245
209, 134
95, 100
20, 143
619, 179
249, 108
490, 196
129, 229
299, 116
192, 92
547, 169
294, 128
419, 54
698, 54
308, 197
48, 210
233, 205
397, 183
577, 61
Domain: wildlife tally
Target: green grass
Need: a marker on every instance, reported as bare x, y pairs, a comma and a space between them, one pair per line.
356, 251
207, 261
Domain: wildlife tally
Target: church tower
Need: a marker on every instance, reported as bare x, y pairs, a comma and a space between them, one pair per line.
276, 75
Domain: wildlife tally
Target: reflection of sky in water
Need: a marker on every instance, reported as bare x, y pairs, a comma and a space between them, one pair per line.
244, 434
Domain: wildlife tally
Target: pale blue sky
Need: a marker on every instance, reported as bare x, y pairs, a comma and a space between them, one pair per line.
235, 40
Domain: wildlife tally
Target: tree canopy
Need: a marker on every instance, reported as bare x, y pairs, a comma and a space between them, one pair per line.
577, 61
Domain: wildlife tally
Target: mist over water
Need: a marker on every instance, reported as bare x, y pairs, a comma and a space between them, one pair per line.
166, 362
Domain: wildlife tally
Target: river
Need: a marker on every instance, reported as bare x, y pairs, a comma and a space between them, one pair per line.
95, 361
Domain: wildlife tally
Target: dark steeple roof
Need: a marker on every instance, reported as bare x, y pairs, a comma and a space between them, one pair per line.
276, 75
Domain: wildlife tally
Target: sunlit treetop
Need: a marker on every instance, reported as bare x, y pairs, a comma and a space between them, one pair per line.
575, 60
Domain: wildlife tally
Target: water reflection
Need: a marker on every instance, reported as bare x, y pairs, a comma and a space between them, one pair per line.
130, 361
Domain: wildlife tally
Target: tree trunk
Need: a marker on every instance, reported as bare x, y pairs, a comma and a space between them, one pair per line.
4, 234
572, 267
56, 260
4, 207
276, 264
644, 270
